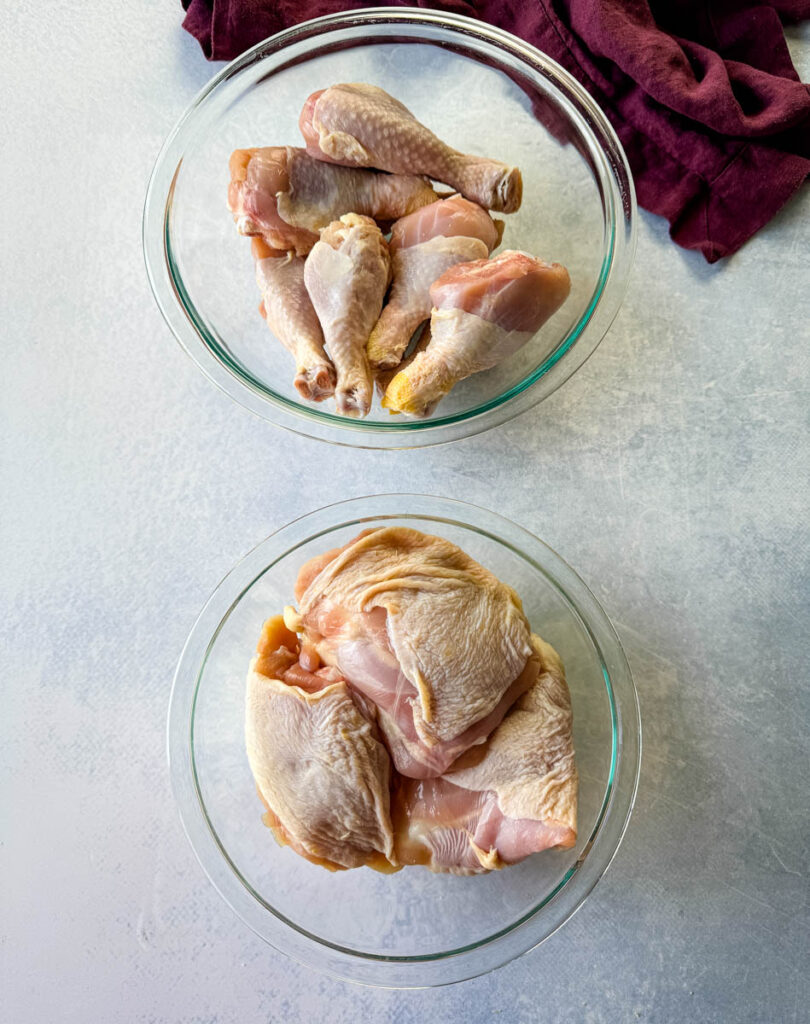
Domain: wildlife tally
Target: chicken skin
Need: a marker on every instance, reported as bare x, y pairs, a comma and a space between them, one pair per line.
290, 315
423, 246
317, 759
382, 378
360, 125
452, 218
483, 312
500, 802
257, 176
405, 714
346, 276
436, 642
285, 196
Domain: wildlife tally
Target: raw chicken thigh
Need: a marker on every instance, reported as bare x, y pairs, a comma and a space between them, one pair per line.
290, 315
346, 275
434, 640
423, 246
317, 759
407, 650
515, 796
483, 312
362, 126
286, 196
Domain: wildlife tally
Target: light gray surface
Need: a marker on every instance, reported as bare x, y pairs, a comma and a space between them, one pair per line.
671, 472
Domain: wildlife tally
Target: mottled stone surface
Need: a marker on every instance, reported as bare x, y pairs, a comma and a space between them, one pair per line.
672, 472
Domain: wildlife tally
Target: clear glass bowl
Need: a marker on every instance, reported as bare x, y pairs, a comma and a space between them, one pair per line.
478, 87
413, 928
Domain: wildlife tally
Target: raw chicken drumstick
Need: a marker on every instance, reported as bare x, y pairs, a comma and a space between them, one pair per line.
284, 195
483, 312
498, 803
257, 175
290, 315
362, 126
448, 217
346, 275
429, 636
423, 245
382, 378
317, 759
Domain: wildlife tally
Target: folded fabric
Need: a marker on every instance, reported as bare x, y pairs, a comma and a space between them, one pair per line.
703, 95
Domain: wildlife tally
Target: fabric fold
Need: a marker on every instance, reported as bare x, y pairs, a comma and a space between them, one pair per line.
703, 95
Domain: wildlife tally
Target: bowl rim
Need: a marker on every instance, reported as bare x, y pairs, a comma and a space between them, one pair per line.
576, 883
581, 339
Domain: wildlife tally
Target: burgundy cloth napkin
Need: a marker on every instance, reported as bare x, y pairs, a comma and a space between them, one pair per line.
702, 93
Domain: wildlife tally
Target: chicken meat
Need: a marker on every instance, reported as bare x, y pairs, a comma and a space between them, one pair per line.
437, 643
346, 275
257, 176
452, 218
483, 312
290, 315
499, 803
382, 378
423, 246
285, 196
361, 125
317, 759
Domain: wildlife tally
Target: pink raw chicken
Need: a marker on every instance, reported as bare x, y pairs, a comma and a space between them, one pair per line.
290, 315
360, 125
346, 275
257, 175
454, 217
285, 196
483, 312
434, 640
499, 803
423, 246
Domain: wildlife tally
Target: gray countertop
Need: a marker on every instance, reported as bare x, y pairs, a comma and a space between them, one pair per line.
672, 471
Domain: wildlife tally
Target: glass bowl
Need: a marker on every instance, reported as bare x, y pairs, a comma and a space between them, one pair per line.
578, 207
412, 928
